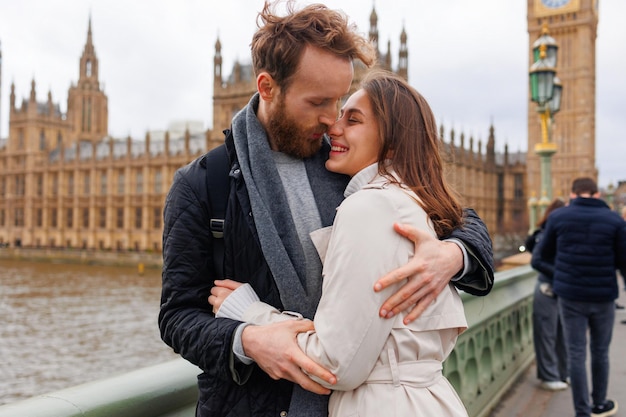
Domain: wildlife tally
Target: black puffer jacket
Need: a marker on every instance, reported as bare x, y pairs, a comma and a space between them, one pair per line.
582, 246
185, 319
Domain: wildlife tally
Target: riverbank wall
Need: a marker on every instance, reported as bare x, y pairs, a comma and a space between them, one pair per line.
140, 260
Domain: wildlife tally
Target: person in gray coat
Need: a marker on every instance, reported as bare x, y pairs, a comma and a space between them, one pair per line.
549, 342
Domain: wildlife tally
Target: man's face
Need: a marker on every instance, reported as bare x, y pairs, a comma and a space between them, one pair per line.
290, 136
299, 116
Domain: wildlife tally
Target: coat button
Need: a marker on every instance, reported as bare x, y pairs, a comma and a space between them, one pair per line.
283, 414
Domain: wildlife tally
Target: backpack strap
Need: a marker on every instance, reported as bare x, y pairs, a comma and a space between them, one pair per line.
217, 180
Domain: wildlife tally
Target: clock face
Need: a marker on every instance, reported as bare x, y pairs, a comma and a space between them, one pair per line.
554, 4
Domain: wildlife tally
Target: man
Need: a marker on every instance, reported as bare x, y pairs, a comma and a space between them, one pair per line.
617, 305
279, 192
622, 272
587, 242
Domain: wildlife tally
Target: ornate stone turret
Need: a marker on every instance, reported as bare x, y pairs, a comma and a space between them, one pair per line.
217, 64
374, 29
403, 56
88, 61
12, 97
33, 93
491, 147
87, 105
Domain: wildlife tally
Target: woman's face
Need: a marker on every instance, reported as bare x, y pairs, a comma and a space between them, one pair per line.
354, 138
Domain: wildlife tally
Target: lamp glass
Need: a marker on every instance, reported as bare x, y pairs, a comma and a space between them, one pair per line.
555, 102
541, 83
551, 50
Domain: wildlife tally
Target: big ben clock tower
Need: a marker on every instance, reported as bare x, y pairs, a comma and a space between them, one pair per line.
573, 24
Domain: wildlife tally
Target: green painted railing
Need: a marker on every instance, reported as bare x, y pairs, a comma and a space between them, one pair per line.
165, 390
498, 345
487, 359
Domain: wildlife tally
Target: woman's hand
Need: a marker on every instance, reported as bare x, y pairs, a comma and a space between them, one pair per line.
429, 271
222, 289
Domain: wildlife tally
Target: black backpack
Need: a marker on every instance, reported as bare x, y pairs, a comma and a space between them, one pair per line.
217, 166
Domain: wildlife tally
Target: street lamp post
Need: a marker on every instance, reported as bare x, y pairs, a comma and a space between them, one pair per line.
545, 90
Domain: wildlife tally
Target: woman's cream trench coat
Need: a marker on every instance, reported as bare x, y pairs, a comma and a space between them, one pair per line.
383, 367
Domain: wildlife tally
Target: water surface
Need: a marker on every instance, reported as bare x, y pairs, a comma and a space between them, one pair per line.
62, 325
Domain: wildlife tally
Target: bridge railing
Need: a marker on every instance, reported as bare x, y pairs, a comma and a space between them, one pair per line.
487, 359
498, 345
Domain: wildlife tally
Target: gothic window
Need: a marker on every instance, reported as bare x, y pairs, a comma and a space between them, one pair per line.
19, 185
102, 218
88, 68
86, 183
19, 217
39, 185
39, 218
138, 219
120, 218
70, 218
103, 183
86, 116
157, 218
53, 218
139, 182
85, 218
519, 186
120, 183
42, 140
89, 115
70, 184
55, 184
158, 182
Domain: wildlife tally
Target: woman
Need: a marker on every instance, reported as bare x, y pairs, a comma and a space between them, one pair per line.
386, 139
548, 338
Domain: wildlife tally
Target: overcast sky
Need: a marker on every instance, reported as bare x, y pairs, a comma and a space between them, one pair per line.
468, 58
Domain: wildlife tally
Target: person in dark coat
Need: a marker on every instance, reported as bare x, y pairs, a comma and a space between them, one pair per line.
549, 342
279, 192
581, 248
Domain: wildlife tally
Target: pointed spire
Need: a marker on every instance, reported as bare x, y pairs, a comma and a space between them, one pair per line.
33, 91
403, 56
50, 104
374, 28
217, 63
491, 145
12, 99
89, 44
88, 60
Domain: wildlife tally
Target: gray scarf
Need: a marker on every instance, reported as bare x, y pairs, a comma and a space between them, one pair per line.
276, 230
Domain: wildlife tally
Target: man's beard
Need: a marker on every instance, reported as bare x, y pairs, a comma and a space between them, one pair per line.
290, 137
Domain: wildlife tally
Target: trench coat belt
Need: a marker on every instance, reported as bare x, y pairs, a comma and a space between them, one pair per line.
418, 374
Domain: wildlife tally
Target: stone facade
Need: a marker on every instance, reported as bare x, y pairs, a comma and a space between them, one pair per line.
573, 24
65, 183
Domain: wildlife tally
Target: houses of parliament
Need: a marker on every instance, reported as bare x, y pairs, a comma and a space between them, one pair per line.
65, 183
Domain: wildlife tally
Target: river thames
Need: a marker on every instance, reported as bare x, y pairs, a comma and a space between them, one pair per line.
63, 324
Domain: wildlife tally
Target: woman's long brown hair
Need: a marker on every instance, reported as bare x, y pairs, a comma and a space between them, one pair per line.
410, 141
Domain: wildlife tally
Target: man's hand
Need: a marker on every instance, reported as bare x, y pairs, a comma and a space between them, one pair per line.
428, 272
275, 350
